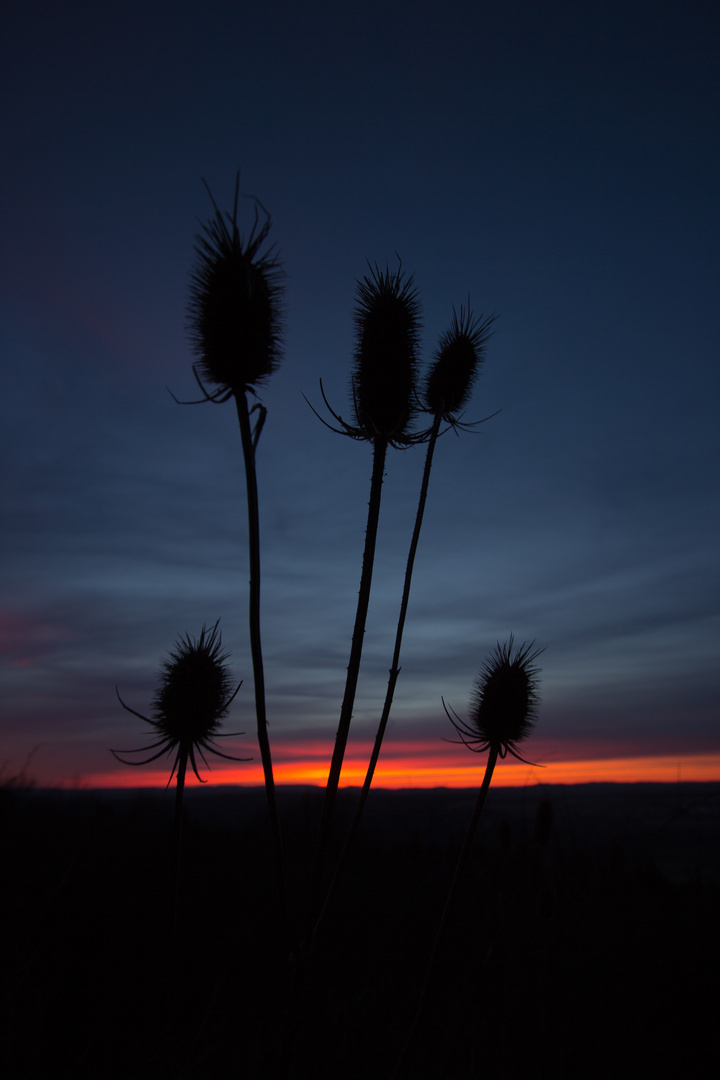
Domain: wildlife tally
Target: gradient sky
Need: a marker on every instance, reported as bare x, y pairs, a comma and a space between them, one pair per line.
556, 162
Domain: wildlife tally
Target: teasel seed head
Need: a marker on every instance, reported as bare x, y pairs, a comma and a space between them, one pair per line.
460, 352
234, 311
194, 689
504, 702
194, 695
387, 324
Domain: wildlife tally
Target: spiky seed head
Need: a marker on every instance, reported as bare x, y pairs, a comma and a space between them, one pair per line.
387, 324
234, 310
194, 691
503, 708
191, 700
460, 352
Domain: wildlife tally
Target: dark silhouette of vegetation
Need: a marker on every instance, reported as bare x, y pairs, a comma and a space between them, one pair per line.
234, 323
503, 711
387, 324
194, 695
460, 352
589, 955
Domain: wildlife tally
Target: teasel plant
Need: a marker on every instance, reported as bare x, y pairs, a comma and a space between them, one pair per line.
194, 694
447, 390
235, 328
503, 712
193, 697
387, 330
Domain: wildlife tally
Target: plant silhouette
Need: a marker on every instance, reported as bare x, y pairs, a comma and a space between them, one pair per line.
194, 695
234, 323
458, 357
503, 711
387, 325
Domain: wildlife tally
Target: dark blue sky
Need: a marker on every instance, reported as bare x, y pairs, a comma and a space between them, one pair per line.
556, 162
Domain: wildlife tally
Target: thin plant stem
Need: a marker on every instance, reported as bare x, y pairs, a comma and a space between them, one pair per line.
300, 958
353, 670
457, 877
179, 792
394, 671
249, 441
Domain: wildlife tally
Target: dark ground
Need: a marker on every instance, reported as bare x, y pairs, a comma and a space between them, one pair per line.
591, 950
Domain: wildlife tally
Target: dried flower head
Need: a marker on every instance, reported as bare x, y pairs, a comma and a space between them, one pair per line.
503, 707
460, 352
234, 308
193, 697
387, 324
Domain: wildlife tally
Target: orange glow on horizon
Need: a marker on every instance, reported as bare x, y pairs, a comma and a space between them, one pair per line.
424, 765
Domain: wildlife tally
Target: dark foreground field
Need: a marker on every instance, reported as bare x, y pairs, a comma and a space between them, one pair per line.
589, 951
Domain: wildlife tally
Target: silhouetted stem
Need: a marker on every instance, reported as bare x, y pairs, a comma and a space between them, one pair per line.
179, 791
353, 670
394, 670
248, 445
462, 859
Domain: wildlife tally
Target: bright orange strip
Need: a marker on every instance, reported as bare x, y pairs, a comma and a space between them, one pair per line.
445, 767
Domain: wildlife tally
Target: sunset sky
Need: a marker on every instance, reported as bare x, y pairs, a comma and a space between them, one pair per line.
558, 164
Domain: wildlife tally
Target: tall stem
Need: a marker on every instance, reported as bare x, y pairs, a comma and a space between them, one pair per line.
462, 859
248, 446
353, 670
179, 791
394, 670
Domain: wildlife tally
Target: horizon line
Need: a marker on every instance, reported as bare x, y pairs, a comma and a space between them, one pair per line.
417, 775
